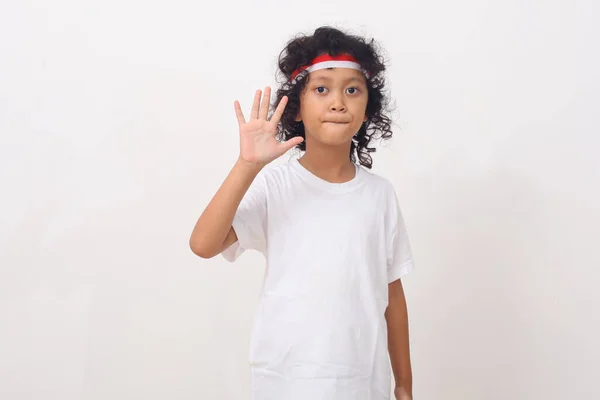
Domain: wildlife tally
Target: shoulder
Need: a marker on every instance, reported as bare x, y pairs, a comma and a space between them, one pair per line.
272, 177
379, 184
273, 173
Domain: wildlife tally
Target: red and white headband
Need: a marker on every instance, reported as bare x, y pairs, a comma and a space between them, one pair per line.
328, 61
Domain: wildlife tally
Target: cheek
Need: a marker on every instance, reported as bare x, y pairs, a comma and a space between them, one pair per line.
359, 107
310, 109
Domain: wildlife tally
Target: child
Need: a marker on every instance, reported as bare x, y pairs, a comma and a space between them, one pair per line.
332, 305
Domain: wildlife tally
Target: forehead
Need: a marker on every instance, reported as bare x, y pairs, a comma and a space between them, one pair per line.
342, 75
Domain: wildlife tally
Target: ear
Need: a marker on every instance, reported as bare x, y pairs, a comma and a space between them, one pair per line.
366, 118
298, 117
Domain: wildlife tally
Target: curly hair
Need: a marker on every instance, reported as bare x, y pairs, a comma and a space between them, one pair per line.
299, 52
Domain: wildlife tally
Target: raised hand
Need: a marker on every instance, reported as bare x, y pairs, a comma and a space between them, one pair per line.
258, 144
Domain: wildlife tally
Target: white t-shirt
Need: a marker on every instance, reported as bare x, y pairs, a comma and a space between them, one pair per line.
331, 249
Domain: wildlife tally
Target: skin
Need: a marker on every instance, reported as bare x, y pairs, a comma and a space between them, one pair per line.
331, 96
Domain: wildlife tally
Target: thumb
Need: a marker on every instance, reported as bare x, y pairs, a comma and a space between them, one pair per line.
293, 142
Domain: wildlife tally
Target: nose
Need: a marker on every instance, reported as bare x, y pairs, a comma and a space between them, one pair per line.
337, 104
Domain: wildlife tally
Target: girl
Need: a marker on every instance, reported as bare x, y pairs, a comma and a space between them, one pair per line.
332, 312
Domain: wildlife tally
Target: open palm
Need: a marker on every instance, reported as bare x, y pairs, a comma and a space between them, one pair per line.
258, 142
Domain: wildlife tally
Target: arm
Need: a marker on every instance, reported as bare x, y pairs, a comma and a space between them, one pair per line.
213, 231
396, 315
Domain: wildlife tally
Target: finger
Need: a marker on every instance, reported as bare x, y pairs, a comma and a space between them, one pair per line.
279, 110
254, 114
238, 112
264, 108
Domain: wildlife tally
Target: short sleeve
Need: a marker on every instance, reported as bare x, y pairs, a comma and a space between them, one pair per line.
250, 221
399, 253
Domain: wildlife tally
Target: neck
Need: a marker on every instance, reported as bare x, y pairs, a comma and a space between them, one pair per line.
329, 163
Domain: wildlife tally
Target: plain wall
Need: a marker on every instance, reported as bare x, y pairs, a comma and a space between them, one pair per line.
117, 127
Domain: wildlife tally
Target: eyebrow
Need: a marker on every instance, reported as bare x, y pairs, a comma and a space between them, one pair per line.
326, 78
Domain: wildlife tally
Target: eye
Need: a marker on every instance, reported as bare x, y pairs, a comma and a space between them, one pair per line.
353, 90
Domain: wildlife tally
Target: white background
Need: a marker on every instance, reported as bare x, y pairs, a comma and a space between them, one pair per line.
117, 126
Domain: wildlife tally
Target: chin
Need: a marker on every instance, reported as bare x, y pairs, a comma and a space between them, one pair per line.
335, 140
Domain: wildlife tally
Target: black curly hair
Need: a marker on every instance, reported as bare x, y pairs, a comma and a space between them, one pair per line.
329, 40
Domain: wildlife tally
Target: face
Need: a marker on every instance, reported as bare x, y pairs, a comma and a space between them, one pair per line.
333, 105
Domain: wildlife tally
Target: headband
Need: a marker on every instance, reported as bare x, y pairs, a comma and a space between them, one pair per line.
328, 61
